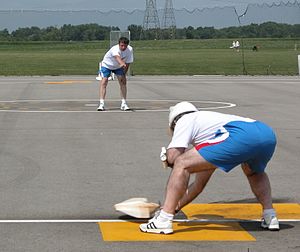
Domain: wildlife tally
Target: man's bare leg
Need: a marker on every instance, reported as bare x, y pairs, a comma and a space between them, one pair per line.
201, 179
102, 88
123, 86
102, 93
123, 92
260, 186
189, 162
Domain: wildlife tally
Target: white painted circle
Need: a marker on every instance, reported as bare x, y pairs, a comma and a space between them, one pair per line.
85, 105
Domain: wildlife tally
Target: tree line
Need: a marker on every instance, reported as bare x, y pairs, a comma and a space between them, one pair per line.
91, 32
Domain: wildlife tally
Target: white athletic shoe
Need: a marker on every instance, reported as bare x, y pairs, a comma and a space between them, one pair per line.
101, 107
270, 222
157, 227
124, 107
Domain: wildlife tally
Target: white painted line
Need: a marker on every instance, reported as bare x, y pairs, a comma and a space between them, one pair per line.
92, 100
81, 111
222, 105
142, 221
91, 105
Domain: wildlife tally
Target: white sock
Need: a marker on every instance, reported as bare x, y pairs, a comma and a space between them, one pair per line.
163, 216
101, 101
268, 212
123, 101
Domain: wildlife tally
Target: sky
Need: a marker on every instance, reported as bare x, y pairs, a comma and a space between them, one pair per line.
128, 5
45, 13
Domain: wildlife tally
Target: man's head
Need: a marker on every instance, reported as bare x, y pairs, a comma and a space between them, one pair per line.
178, 111
123, 43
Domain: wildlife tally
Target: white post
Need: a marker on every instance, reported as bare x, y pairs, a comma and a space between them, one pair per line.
299, 64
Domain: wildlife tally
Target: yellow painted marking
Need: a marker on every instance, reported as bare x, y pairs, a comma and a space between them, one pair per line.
201, 231
239, 211
186, 231
68, 82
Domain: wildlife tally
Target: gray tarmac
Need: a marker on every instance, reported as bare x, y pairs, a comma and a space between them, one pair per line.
61, 160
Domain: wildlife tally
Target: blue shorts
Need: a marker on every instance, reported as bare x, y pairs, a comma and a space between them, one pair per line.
105, 72
248, 142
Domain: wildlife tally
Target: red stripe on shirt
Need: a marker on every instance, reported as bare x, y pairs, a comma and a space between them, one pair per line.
199, 146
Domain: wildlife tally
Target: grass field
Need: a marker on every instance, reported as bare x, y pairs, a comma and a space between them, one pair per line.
160, 57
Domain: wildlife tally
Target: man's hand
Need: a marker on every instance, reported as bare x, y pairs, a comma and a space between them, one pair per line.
126, 67
163, 157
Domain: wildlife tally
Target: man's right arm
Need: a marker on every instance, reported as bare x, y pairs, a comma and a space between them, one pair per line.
120, 61
173, 153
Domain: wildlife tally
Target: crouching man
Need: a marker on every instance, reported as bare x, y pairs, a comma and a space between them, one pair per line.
220, 141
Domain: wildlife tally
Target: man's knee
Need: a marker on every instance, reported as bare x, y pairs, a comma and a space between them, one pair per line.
180, 162
247, 170
122, 79
192, 162
104, 82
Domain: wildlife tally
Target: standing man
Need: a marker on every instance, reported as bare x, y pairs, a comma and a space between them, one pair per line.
220, 141
117, 61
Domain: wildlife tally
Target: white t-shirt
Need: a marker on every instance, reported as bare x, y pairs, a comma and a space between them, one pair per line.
109, 60
202, 126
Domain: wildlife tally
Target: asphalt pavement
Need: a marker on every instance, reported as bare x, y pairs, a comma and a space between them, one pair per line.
64, 164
